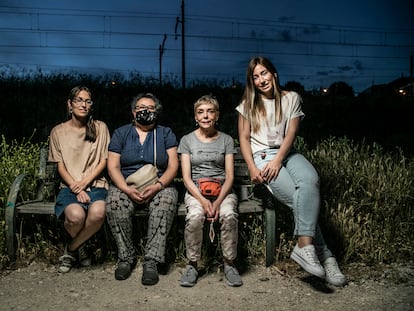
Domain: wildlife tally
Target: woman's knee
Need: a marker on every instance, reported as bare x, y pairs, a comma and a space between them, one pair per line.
74, 215
194, 223
96, 217
229, 221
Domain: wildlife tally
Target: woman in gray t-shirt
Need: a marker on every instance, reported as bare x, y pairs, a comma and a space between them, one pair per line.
208, 155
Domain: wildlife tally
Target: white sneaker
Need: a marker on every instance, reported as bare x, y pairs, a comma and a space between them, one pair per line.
333, 275
307, 259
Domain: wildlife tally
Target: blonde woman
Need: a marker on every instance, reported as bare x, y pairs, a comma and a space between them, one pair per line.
268, 123
207, 157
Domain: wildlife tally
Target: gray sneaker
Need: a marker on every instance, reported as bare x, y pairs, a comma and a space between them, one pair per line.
189, 276
66, 261
232, 276
84, 256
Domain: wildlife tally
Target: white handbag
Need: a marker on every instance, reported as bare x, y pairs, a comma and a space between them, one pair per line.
147, 174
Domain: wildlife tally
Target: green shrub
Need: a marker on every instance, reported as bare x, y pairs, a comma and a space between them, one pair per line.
16, 158
367, 209
366, 213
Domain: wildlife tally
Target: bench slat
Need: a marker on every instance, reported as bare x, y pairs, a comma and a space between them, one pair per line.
36, 208
48, 208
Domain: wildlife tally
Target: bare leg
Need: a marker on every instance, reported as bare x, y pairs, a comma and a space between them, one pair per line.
81, 225
304, 241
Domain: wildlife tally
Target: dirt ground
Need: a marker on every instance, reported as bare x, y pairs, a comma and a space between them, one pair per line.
283, 287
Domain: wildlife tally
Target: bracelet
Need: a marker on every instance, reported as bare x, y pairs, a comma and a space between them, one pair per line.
162, 185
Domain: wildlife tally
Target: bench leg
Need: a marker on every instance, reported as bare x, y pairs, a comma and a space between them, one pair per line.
270, 219
10, 215
269, 206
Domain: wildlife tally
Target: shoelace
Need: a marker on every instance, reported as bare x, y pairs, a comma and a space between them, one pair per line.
189, 271
66, 258
82, 252
311, 256
151, 264
332, 268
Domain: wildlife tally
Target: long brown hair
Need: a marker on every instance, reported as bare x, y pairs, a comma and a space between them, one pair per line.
252, 99
90, 125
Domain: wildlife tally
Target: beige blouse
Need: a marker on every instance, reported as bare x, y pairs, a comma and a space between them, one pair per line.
80, 157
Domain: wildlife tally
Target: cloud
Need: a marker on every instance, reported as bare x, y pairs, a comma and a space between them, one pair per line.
286, 35
286, 19
312, 30
358, 65
345, 68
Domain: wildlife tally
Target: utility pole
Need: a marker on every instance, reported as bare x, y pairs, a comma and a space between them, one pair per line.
411, 73
182, 42
161, 49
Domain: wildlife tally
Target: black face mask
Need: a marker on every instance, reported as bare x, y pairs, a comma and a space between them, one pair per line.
146, 117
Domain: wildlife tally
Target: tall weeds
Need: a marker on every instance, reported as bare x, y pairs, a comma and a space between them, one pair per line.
15, 158
367, 212
368, 200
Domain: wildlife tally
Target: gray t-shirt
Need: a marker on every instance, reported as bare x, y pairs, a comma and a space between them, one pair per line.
207, 159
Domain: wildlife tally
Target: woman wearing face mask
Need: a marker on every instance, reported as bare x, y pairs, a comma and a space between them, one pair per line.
131, 147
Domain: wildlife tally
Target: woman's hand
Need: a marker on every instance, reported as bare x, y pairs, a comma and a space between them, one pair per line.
271, 170
76, 187
256, 176
216, 208
150, 191
134, 195
83, 197
208, 208
145, 195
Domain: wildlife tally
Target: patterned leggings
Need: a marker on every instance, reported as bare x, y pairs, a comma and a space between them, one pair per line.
120, 210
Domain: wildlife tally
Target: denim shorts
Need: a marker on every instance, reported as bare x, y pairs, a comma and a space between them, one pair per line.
66, 197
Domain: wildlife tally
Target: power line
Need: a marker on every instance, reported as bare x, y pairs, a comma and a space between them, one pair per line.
271, 42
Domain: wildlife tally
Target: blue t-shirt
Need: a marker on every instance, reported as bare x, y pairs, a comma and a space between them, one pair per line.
125, 141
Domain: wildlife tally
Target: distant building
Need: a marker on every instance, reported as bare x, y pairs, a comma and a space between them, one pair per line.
403, 86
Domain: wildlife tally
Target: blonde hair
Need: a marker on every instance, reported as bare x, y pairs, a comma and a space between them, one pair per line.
207, 99
252, 100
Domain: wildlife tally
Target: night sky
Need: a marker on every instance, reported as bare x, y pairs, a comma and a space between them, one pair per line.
314, 43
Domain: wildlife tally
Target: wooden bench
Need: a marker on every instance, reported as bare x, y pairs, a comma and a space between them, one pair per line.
48, 179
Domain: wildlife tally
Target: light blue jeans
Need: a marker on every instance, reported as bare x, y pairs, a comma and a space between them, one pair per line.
297, 186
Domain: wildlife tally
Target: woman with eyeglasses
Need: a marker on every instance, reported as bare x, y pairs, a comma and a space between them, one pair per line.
79, 146
131, 147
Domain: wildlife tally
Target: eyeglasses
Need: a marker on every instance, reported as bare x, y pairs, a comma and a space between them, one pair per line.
143, 107
79, 100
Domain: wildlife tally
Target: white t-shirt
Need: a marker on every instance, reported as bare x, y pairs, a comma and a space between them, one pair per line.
270, 134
